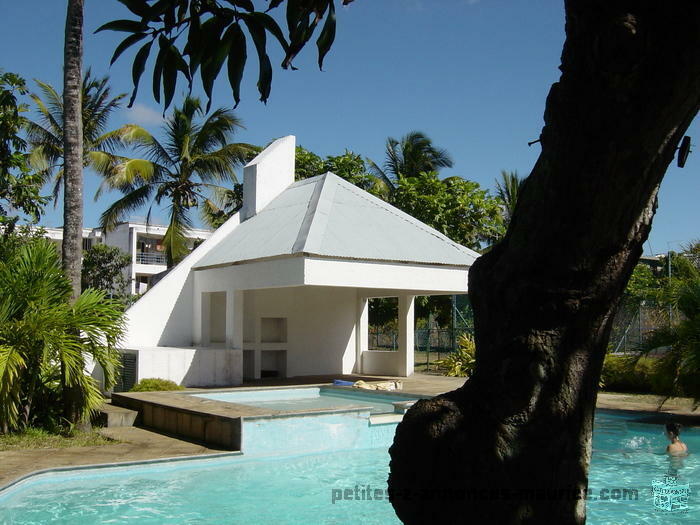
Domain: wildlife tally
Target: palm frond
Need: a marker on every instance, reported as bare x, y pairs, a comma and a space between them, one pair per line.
123, 137
130, 202
380, 174
216, 130
175, 236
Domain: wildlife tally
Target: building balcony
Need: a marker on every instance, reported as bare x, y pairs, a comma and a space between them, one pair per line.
151, 258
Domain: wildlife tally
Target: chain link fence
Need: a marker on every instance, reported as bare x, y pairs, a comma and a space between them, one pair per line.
431, 342
634, 323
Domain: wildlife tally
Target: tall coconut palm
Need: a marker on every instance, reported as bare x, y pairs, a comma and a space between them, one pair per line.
184, 171
73, 144
507, 189
410, 156
46, 135
45, 338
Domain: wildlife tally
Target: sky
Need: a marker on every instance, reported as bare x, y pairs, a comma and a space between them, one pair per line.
471, 74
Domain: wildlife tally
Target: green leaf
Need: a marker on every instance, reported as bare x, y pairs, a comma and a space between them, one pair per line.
237, 57
128, 26
299, 34
193, 38
257, 31
269, 23
273, 4
243, 4
158, 67
125, 44
294, 13
169, 18
327, 36
138, 7
138, 67
201, 44
169, 78
216, 52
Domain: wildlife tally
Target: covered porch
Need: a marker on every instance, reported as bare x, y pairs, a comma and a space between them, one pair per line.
314, 326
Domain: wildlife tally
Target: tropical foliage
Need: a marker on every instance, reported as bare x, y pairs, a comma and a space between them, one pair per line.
213, 34
456, 207
104, 269
45, 341
460, 363
508, 189
19, 186
349, 166
99, 145
667, 360
155, 384
679, 341
409, 157
184, 171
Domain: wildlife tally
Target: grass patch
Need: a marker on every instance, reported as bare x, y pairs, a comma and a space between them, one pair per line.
39, 438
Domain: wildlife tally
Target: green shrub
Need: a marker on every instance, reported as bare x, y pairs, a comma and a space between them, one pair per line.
461, 362
662, 382
155, 384
622, 374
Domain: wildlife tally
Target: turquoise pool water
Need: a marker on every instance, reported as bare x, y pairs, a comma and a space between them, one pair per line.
312, 398
300, 489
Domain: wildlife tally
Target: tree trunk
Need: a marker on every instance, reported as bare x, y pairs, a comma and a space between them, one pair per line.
72, 171
513, 444
73, 145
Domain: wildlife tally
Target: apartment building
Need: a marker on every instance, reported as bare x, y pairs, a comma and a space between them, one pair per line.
143, 243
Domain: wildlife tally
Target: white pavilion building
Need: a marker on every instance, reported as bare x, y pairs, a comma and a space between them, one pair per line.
282, 288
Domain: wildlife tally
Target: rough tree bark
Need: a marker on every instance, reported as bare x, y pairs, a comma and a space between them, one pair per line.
73, 145
502, 448
72, 246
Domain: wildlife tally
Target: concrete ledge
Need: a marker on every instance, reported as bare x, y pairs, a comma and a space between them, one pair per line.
178, 415
111, 416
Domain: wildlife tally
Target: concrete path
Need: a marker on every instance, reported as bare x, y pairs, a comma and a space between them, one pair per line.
137, 444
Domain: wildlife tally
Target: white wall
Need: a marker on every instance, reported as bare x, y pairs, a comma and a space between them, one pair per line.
320, 327
385, 275
193, 367
163, 316
382, 363
267, 175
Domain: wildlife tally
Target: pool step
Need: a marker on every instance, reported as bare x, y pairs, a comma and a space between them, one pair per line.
383, 419
113, 416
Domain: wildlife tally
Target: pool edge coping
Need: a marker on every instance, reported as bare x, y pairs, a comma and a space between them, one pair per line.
116, 464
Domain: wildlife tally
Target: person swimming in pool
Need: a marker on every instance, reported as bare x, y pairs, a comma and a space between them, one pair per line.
677, 447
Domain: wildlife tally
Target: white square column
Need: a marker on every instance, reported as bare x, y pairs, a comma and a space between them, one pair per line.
234, 332
406, 334
234, 319
361, 332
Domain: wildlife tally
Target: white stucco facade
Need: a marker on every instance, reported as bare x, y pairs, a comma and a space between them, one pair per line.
282, 288
141, 241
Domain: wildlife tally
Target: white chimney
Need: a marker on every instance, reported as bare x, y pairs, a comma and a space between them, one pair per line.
268, 175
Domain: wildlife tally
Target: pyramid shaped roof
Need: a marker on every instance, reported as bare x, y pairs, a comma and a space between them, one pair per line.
327, 216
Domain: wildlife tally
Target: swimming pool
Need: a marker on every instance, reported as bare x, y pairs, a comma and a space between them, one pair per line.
312, 398
328, 488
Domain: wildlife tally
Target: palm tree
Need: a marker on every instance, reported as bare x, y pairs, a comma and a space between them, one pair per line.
412, 155
73, 144
45, 338
183, 171
508, 189
46, 136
